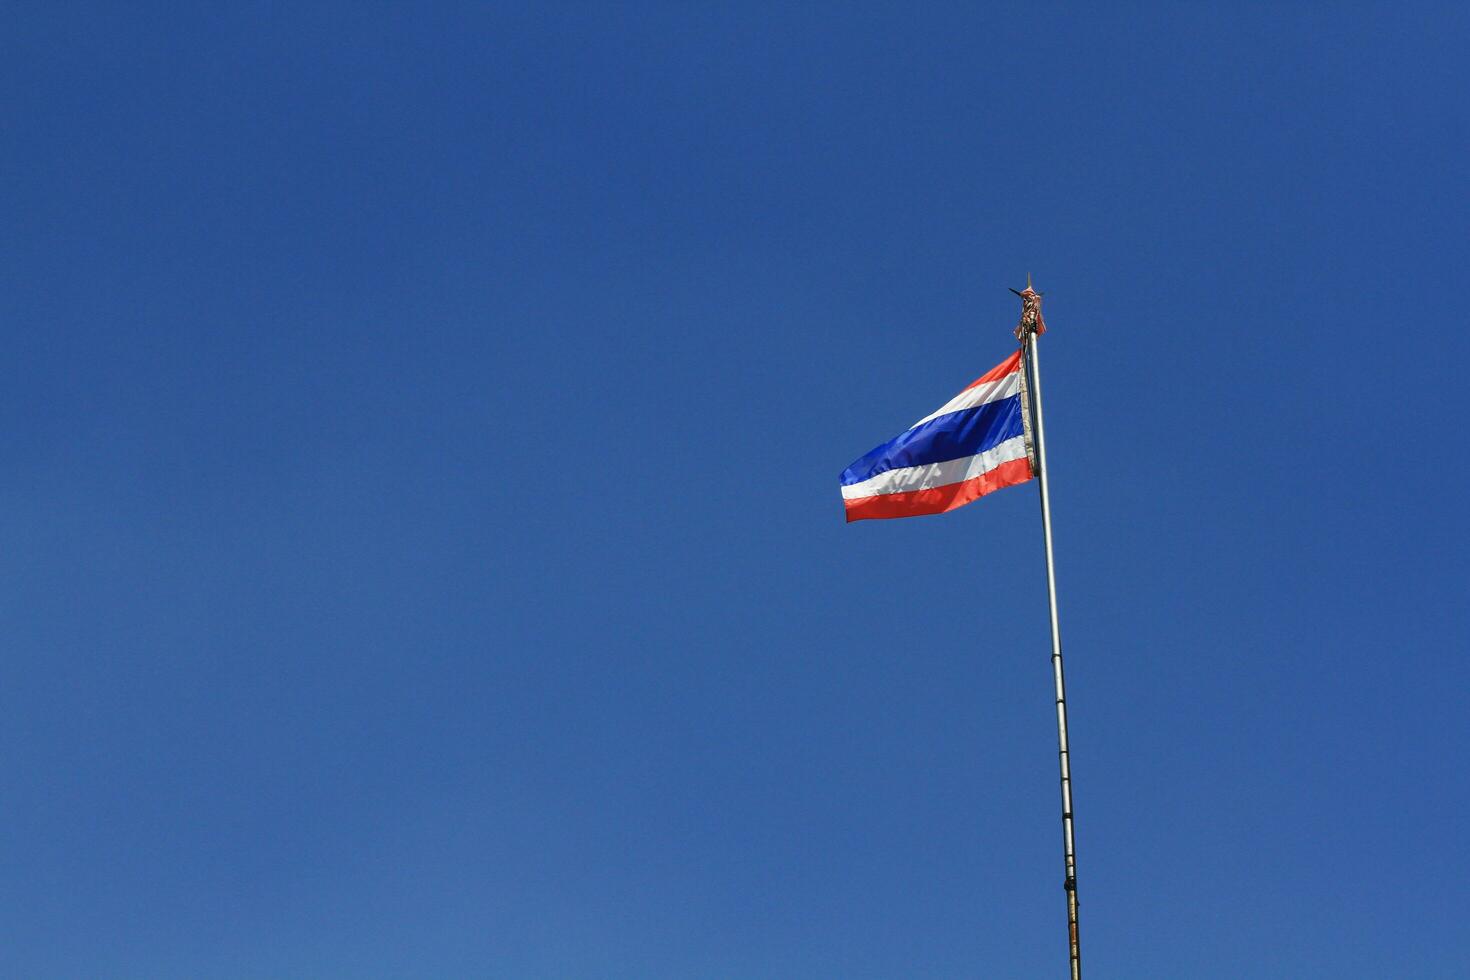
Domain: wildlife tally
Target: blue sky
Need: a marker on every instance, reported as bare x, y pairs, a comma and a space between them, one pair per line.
421, 552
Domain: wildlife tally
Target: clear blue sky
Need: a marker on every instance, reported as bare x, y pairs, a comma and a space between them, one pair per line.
422, 553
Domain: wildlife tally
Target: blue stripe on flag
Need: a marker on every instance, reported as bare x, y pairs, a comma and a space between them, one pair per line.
951, 436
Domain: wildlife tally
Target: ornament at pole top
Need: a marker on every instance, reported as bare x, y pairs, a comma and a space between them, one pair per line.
1031, 321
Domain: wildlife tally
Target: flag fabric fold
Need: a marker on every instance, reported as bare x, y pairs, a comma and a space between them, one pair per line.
975, 444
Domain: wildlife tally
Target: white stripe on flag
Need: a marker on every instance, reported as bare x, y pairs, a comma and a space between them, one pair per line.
937, 474
990, 391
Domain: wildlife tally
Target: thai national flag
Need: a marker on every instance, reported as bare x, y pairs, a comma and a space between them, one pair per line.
971, 446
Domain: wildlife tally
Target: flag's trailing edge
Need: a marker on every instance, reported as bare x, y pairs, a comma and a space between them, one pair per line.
975, 444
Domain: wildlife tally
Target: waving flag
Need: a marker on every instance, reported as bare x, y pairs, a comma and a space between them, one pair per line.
974, 444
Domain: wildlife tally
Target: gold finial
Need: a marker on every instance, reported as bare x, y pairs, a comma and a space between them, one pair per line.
1031, 321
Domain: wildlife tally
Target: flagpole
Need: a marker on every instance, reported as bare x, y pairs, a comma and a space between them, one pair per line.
1029, 328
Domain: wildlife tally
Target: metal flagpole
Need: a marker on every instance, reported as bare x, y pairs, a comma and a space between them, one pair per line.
1030, 326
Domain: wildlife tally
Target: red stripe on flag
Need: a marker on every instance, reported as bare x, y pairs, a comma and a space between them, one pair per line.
1002, 369
937, 500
